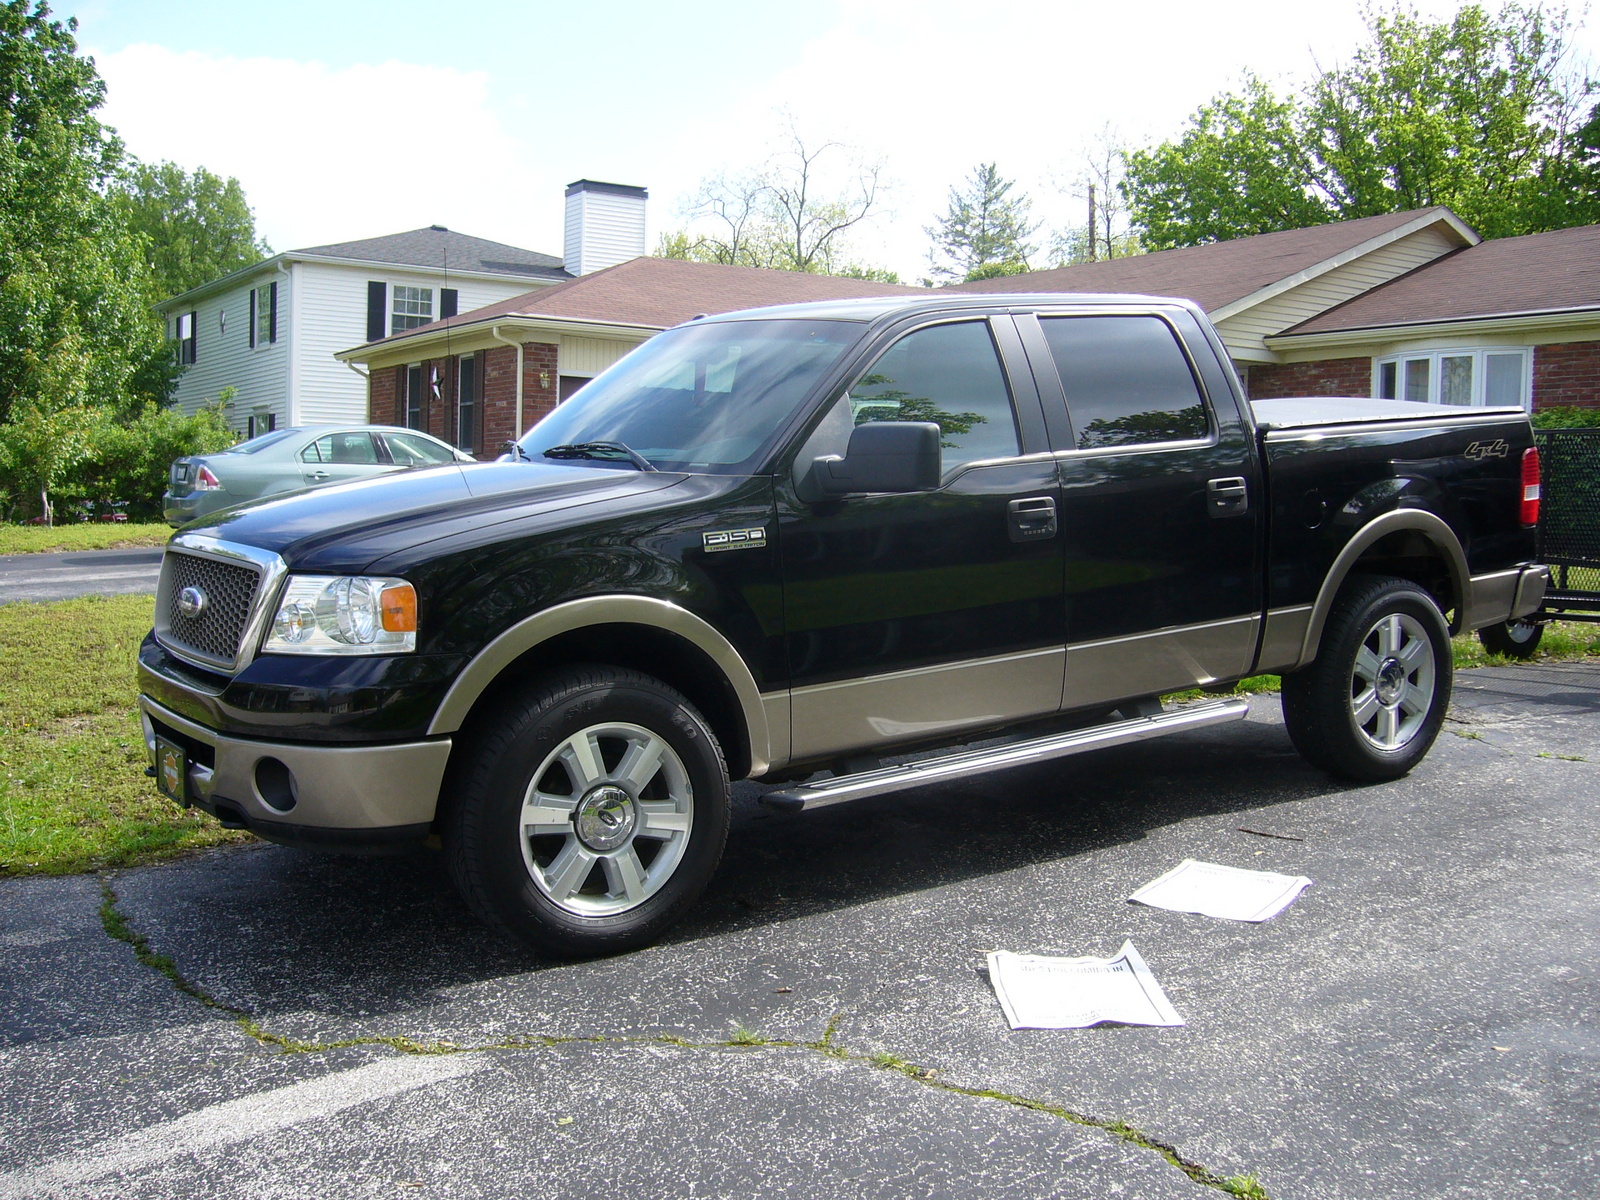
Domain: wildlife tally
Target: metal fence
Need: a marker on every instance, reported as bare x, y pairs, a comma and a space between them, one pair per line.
1569, 508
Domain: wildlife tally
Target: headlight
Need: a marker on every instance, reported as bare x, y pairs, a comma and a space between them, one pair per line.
322, 614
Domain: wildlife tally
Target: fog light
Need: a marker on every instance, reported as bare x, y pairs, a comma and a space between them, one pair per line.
275, 785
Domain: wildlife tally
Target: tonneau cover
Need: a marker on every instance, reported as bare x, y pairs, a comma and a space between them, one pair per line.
1300, 411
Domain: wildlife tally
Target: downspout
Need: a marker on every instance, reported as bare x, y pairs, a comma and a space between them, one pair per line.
291, 404
367, 375
494, 332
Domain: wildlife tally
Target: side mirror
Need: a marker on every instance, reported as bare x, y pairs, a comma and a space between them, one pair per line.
883, 456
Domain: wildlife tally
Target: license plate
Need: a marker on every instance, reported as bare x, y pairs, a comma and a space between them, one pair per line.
172, 771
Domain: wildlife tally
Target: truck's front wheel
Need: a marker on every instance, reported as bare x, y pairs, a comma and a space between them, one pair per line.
592, 815
1371, 704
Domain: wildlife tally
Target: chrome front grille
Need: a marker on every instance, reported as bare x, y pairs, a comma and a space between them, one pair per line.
229, 587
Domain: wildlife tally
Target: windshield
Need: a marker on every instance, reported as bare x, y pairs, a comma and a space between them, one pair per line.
260, 443
705, 398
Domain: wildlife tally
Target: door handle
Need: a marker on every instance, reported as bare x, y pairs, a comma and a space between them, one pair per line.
1031, 519
319, 474
1227, 497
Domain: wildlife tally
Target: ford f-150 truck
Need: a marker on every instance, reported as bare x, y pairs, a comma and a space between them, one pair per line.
808, 545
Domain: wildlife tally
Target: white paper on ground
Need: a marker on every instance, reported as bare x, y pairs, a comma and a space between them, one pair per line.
1040, 992
1231, 893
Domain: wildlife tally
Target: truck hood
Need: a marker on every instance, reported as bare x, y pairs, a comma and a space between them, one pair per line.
342, 528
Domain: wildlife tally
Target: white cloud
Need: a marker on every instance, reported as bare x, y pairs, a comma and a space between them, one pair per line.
329, 155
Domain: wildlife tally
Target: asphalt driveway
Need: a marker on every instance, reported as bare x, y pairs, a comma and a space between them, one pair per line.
1423, 1022
79, 573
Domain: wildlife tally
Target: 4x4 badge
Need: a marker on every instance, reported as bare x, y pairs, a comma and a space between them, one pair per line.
1479, 451
734, 539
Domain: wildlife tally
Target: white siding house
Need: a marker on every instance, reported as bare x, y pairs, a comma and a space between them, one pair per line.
270, 331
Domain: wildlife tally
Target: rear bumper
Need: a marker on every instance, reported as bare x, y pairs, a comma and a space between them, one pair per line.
361, 798
1503, 595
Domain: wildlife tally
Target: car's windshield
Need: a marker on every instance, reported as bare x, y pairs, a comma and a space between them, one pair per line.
260, 443
700, 397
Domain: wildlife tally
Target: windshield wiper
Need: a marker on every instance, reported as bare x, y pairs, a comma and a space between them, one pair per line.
604, 451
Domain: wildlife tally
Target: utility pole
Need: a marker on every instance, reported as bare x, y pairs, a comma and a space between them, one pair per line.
1093, 254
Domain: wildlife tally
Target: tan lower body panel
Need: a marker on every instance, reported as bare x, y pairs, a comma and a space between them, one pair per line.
1165, 660
832, 718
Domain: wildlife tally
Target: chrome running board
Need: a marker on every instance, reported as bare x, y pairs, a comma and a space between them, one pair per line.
841, 788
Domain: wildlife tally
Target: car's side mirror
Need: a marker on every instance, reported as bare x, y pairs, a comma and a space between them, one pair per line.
883, 456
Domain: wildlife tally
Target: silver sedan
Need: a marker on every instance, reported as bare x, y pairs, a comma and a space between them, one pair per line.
286, 460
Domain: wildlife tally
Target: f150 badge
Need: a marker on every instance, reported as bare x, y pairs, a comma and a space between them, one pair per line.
1479, 451
734, 539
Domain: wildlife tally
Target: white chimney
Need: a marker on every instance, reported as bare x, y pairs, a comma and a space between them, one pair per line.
605, 225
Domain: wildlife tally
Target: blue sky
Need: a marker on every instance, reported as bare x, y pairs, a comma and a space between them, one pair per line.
347, 120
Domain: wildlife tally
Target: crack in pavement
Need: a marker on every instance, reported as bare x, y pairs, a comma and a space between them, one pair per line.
116, 925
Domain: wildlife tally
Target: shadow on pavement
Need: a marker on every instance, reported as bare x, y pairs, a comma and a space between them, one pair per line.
278, 930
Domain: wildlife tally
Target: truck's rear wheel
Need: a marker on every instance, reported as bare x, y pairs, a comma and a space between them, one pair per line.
1514, 639
592, 815
1371, 704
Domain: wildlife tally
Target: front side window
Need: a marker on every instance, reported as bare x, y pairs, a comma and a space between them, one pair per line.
413, 306
1127, 381
1462, 378
411, 450
703, 397
948, 374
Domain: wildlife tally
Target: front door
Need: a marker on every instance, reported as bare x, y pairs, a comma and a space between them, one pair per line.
913, 616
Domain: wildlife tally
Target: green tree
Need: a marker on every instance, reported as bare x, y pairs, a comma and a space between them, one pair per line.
985, 230
194, 227
1477, 112
75, 329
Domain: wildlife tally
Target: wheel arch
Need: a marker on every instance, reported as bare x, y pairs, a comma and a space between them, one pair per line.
653, 636
1409, 544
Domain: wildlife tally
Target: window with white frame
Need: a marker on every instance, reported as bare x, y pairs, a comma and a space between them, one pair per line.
1474, 376
413, 306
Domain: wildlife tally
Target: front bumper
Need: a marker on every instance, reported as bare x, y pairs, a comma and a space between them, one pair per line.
361, 798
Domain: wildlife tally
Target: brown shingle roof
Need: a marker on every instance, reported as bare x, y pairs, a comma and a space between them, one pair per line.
1535, 273
1213, 275
658, 293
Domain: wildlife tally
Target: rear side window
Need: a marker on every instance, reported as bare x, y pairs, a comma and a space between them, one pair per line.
341, 448
409, 450
949, 374
1127, 381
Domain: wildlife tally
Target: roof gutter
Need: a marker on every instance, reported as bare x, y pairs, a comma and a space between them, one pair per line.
494, 332
1554, 320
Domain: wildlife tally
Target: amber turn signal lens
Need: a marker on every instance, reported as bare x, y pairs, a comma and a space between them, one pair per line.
399, 604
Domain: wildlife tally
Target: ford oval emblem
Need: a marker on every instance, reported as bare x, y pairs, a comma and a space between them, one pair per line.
192, 602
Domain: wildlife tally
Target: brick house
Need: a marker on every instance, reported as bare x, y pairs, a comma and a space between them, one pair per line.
481, 378
1411, 305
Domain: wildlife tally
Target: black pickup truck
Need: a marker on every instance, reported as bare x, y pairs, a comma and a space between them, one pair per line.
793, 543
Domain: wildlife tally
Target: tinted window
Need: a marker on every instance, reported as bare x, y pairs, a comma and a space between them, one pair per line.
260, 443
1127, 381
949, 374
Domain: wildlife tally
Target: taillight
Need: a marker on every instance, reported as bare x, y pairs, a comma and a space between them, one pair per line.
205, 481
1530, 486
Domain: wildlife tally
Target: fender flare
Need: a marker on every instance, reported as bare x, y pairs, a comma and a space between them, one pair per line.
488, 664
1439, 534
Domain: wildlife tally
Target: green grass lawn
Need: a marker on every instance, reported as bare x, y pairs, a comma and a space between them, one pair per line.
73, 792
90, 535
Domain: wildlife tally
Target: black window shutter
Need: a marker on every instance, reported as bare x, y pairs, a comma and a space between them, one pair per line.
447, 302
252, 322
272, 316
194, 336
377, 301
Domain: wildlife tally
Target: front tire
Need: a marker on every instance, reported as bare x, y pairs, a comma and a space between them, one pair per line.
1371, 704
591, 815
